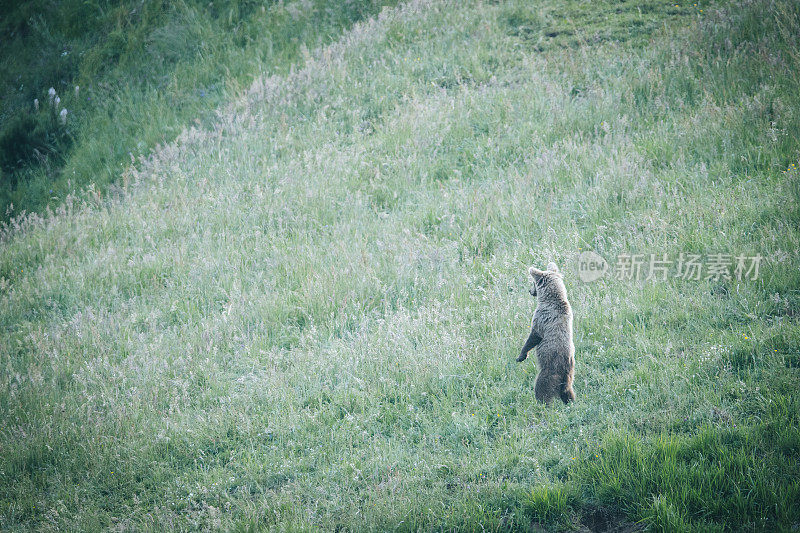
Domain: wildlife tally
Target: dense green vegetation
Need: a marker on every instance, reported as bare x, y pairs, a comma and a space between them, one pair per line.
143, 71
305, 311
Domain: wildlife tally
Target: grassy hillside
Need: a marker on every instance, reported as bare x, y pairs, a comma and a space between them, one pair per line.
306, 313
131, 74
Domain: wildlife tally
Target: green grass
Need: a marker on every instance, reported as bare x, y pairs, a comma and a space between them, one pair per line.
713, 478
144, 71
305, 313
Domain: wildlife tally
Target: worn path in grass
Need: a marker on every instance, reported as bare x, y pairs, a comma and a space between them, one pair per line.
307, 315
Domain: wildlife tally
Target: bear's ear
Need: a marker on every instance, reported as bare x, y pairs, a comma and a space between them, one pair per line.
535, 273
552, 267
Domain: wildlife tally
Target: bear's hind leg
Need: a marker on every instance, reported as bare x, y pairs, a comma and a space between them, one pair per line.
567, 392
544, 388
568, 395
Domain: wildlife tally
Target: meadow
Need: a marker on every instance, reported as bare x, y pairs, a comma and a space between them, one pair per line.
304, 312
131, 75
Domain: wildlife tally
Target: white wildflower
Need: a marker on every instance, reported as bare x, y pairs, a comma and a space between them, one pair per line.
36, 104
51, 93
77, 90
63, 116
57, 101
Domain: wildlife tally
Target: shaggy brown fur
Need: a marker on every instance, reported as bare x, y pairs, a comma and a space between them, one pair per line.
551, 335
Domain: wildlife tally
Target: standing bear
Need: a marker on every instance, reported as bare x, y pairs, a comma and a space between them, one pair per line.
551, 335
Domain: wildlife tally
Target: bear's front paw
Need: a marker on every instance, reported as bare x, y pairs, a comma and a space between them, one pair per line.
522, 357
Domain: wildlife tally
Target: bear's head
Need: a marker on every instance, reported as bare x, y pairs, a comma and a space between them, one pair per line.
547, 284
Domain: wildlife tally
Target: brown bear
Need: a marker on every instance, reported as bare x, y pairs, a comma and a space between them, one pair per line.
551, 335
